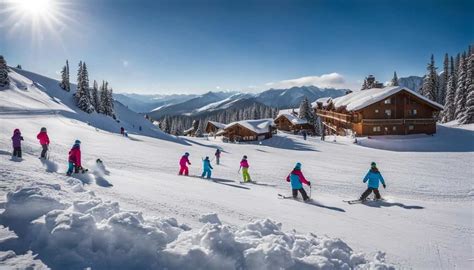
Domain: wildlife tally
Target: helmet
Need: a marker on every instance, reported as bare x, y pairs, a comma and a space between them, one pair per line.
245, 157
16, 131
373, 164
186, 154
207, 158
298, 165
43, 129
77, 142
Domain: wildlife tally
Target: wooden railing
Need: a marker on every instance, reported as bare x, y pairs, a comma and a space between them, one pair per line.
334, 115
399, 121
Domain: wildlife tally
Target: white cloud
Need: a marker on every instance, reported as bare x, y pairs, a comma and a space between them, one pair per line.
125, 63
334, 79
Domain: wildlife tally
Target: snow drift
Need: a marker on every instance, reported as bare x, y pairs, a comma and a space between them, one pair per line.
73, 234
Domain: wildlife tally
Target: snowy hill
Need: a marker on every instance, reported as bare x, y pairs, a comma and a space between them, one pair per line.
136, 213
146, 103
30, 91
291, 98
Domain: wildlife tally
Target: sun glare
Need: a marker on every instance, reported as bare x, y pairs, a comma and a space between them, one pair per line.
35, 7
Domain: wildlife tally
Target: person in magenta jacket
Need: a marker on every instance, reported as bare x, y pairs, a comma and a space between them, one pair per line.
44, 141
297, 179
16, 141
244, 165
183, 164
74, 158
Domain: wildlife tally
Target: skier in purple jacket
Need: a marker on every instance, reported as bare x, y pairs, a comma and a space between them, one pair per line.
16, 139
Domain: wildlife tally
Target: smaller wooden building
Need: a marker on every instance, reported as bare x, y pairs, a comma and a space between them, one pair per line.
212, 128
248, 130
291, 122
379, 111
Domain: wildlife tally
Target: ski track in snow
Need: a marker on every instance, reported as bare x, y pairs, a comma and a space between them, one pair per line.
425, 222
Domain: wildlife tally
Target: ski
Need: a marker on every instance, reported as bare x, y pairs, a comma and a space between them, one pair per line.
281, 196
256, 183
362, 201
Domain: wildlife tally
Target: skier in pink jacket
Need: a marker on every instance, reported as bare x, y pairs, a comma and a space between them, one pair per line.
183, 164
44, 141
244, 165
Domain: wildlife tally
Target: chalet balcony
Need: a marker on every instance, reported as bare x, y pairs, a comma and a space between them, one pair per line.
413, 121
346, 118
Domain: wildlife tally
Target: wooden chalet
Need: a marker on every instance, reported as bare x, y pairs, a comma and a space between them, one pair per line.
213, 128
248, 130
379, 111
288, 121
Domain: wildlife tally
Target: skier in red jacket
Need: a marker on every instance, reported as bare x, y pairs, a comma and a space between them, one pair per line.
44, 141
74, 158
183, 164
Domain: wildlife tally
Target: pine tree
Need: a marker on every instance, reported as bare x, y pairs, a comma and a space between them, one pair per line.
19, 66
200, 129
444, 87
461, 90
64, 84
364, 85
394, 81
306, 112
83, 96
467, 116
4, 80
449, 107
430, 82
95, 97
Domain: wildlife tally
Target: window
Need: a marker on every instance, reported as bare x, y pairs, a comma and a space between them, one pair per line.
414, 112
388, 101
376, 110
411, 127
394, 128
388, 113
376, 129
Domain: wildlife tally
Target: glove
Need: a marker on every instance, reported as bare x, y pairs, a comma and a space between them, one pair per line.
384, 186
309, 183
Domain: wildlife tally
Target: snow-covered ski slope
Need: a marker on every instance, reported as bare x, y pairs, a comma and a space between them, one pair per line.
140, 214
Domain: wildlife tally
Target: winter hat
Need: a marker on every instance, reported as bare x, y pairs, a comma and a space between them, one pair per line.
298, 166
373, 164
207, 158
186, 154
43, 129
77, 142
16, 131
245, 157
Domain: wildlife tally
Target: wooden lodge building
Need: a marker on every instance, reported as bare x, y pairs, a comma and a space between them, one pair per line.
379, 111
248, 130
289, 121
212, 128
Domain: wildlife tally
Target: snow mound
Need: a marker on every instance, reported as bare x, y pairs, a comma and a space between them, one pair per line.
98, 234
49, 165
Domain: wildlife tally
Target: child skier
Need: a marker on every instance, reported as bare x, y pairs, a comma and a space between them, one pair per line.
74, 158
44, 141
374, 177
244, 165
16, 140
218, 156
296, 178
183, 164
206, 166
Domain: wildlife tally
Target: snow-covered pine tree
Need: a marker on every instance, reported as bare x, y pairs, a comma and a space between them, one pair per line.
306, 112
467, 117
461, 93
443, 88
449, 106
430, 82
200, 129
83, 96
4, 80
394, 81
19, 66
110, 101
95, 97
65, 84
364, 85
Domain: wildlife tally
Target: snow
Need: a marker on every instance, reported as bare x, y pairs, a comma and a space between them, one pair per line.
258, 126
150, 218
361, 99
293, 119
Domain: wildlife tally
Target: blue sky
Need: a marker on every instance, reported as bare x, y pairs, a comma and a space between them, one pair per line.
197, 46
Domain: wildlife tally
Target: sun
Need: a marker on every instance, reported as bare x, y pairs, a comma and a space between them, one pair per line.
34, 7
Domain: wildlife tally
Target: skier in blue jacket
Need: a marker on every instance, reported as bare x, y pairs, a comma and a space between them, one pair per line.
374, 177
206, 166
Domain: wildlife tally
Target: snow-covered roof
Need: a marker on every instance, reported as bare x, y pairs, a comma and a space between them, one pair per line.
361, 99
293, 119
217, 124
258, 126
324, 100
289, 111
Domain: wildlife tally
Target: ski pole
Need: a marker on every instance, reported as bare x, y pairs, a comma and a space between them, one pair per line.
310, 189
